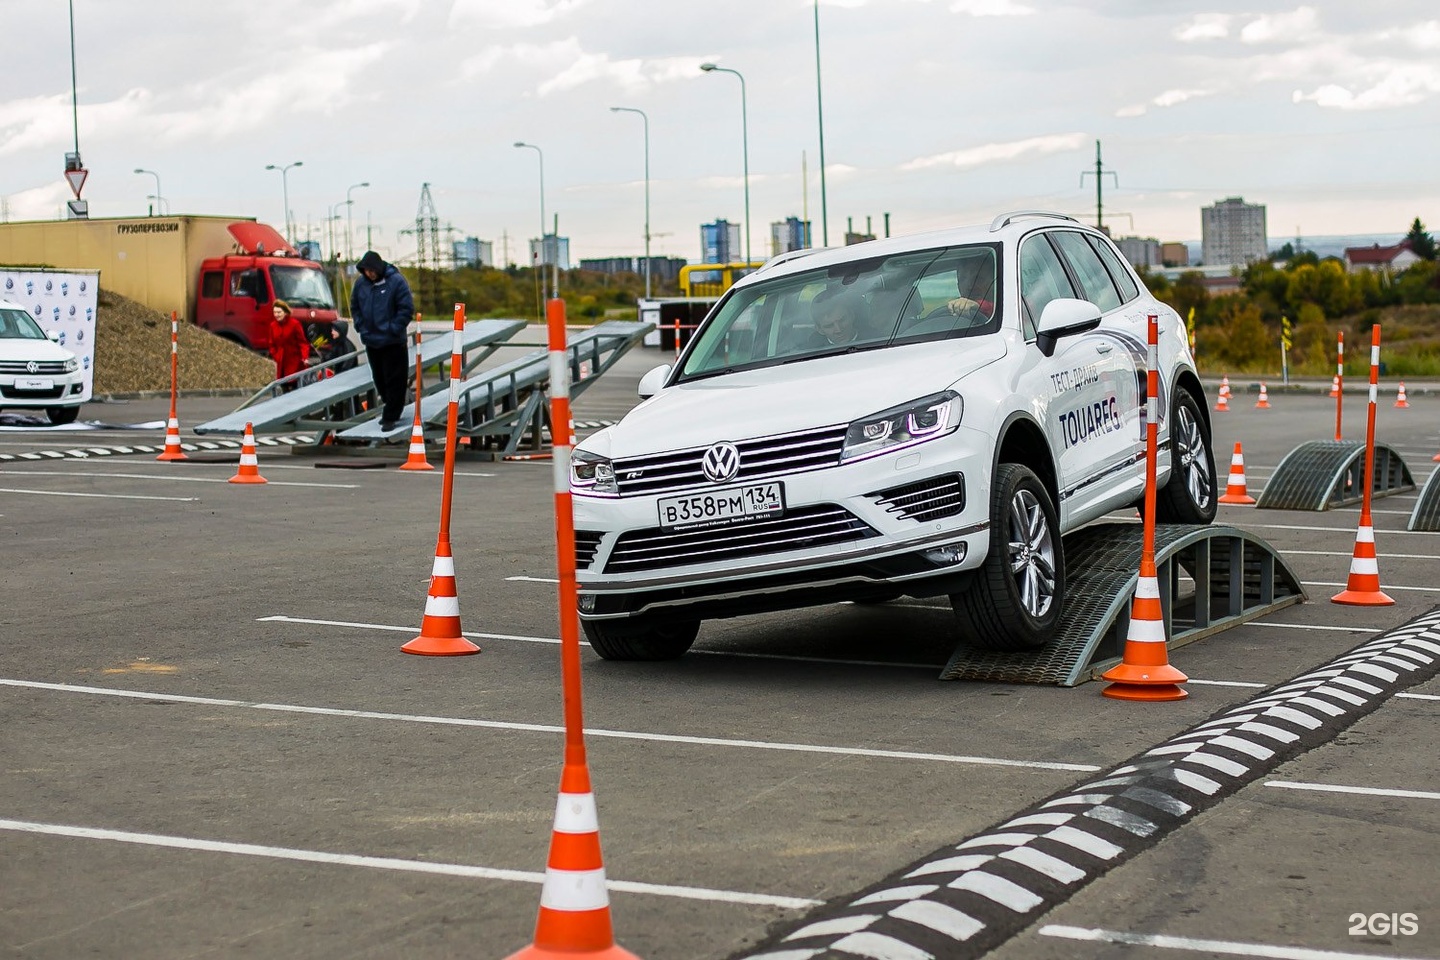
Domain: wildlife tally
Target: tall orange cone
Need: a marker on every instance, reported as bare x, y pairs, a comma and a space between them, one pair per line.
415, 460
1400, 401
574, 920
1264, 402
1235, 486
1144, 672
249, 470
173, 450
1363, 587
1222, 398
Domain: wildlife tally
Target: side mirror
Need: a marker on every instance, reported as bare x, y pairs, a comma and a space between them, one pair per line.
1063, 317
53, 336
654, 381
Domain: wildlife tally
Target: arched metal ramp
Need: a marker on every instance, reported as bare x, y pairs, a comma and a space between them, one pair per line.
1324, 474
1426, 515
1211, 578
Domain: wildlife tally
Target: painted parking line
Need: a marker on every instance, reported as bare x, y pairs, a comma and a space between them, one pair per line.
1387, 586
1347, 553
1364, 791
393, 863
531, 580
169, 477
1313, 626
551, 728
1349, 529
1229, 947
99, 496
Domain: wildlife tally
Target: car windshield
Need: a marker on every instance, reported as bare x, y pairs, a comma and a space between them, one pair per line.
911, 297
17, 325
302, 287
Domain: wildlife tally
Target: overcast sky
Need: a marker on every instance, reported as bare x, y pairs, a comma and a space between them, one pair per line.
938, 112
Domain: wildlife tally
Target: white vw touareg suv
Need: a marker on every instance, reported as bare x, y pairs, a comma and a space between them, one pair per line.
922, 415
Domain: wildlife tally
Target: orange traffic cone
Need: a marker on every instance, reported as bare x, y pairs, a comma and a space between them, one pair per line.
416, 459
1363, 587
249, 471
1222, 400
574, 921
1335, 385
1400, 400
1144, 672
1235, 486
440, 630
1264, 402
173, 450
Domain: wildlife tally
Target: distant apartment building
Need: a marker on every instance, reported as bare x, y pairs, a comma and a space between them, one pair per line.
1233, 232
1174, 254
792, 233
1140, 251
720, 242
551, 250
473, 252
662, 269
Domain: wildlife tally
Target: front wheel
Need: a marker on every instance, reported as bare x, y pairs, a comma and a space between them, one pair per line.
1014, 602
640, 639
1190, 496
62, 415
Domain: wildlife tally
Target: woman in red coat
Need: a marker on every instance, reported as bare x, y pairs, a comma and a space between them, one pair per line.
287, 344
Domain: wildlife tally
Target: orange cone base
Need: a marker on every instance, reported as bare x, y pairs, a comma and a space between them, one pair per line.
533, 952
1241, 498
1142, 674
440, 646
416, 465
175, 455
252, 478
1362, 598
1129, 691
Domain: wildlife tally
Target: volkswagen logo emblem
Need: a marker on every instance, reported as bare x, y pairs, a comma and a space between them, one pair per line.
721, 462
32, 367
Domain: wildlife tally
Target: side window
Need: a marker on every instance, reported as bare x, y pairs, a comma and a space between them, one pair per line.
1042, 279
1094, 278
212, 285
1128, 290
244, 283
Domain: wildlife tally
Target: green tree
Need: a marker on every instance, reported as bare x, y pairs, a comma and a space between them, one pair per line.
1421, 242
1245, 342
1313, 341
1325, 284
1190, 293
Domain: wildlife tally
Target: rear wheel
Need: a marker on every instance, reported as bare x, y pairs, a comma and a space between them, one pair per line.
1189, 497
640, 639
62, 415
1014, 601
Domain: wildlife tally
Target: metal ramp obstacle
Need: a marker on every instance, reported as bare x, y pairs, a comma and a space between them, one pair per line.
1426, 515
1325, 474
1211, 578
338, 402
506, 406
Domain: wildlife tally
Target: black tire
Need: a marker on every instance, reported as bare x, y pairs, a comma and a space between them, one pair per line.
1015, 599
1191, 494
62, 415
640, 639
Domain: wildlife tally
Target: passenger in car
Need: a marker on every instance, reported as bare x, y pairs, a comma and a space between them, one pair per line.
834, 313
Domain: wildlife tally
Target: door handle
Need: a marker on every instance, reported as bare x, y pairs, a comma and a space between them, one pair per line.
1104, 347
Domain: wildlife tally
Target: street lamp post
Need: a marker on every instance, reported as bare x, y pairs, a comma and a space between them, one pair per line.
349, 220
647, 189
159, 198
541, 154
285, 193
820, 113
745, 142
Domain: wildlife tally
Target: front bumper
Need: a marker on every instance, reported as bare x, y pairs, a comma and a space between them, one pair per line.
26, 390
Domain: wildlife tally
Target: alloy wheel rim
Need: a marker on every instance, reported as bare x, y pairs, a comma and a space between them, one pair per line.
1032, 553
1192, 459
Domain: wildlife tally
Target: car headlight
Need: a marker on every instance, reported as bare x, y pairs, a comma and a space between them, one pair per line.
903, 426
72, 365
591, 473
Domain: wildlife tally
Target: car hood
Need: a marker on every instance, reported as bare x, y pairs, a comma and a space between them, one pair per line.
15, 349
800, 396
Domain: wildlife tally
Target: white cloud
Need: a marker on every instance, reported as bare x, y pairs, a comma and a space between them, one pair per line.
570, 66
1204, 26
39, 203
510, 14
1401, 86
1299, 24
1167, 99
999, 152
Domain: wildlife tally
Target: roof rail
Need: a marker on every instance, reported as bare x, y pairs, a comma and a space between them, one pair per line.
787, 256
1005, 219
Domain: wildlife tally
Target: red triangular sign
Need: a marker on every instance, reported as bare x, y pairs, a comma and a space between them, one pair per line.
77, 180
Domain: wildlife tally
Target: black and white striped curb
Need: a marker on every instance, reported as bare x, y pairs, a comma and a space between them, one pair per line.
196, 446
965, 900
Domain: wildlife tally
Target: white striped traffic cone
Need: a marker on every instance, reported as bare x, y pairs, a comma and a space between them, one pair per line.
173, 450
416, 458
1144, 672
1363, 587
1335, 386
249, 470
440, 630
1222, 399
1264, 402
1400, 401
1235, 486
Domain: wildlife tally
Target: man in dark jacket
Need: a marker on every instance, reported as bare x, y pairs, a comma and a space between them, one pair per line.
382, 308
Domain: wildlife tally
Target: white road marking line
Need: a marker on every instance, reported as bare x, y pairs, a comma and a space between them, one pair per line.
281, 618
168, 477
532, 579
1387, 586
1313, 626
99, 496
393, 863
1228, 683
551, 728
1418, 696
1349, 529
1231, 947
1347, 553
1367, 791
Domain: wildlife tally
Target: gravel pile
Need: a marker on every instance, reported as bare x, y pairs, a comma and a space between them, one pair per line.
132, 353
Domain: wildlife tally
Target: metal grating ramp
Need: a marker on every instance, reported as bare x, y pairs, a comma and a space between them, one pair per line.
1426, 515
1324, 474
1211, 578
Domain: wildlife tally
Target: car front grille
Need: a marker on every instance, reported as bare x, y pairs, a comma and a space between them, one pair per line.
931, 499
21, 367
763, 457
586, 543
821, 525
